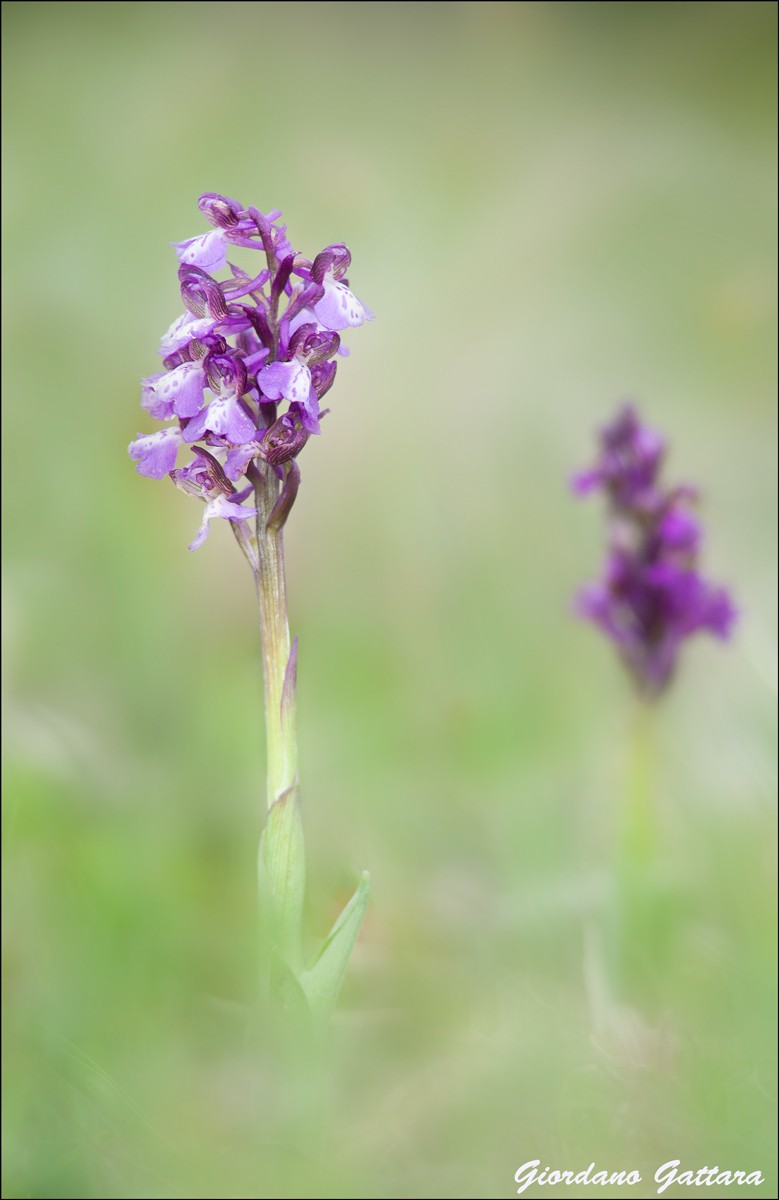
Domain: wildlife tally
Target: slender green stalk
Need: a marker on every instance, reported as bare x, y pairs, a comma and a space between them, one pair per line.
280, 723
281, 863
619, 957
637, 833
637, 916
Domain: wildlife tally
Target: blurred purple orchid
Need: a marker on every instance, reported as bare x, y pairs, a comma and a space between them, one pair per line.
651, 596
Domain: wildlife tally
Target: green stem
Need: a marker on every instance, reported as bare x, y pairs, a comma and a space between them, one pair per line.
635, 915
637, 835
280, 724
281, 863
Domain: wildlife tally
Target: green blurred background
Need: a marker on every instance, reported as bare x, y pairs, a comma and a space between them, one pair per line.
549, 206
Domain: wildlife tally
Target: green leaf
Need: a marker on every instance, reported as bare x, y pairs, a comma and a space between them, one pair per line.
282, 880
322, 980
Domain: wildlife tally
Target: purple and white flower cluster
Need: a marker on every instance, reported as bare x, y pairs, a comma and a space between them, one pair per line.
651, 596
248, 362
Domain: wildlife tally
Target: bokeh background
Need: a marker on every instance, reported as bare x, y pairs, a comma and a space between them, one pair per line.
550, 207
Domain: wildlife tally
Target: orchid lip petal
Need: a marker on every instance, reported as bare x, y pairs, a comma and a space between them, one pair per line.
208, 251
339, 308
223, 416
285, 380
156, 453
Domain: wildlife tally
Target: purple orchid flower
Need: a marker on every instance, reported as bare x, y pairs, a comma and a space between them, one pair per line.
204, 478
651, 597
338, 308
247, 363
293, 380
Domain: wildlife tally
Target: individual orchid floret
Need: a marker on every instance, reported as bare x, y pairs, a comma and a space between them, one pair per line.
233, 225
338, 308
651, 597
292, 380
225, 415
204, 478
